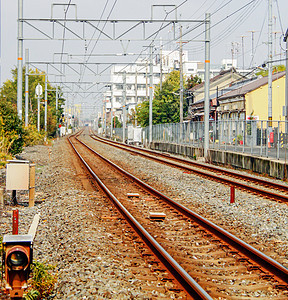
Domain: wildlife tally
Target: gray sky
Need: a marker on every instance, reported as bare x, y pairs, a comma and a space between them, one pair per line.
230, 19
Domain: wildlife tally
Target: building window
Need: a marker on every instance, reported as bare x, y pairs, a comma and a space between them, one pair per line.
141, 86
119, 86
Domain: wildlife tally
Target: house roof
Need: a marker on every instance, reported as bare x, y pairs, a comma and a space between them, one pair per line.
243, 90
228, 89
215, 78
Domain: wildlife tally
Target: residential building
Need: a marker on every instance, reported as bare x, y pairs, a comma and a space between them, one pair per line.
218, 84
251, 99
137, 79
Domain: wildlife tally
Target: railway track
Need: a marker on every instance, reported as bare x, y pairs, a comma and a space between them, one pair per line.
223, 267
256, 185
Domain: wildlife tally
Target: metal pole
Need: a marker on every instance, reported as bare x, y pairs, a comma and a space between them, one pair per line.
124, 106
181, 83
20, 59
26, 85
56, 104
243, 54
150, 94
105, 117
38, 113
111, 133
161, 62
286, 85
45, 101
56, 111
270, 65
207, 84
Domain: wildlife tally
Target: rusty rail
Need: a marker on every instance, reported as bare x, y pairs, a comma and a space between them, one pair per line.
173, 161
182, 277
255, 255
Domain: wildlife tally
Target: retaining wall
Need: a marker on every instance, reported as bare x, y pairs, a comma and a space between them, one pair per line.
261, 165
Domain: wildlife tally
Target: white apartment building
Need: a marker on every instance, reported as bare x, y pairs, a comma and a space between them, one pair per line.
137, 79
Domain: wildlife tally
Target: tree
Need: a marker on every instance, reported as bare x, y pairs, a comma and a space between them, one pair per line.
8, 93
11, 130
275, 69
116, 122
192, 81
166, 103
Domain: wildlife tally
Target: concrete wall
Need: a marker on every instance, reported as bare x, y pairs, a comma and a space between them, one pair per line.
262, 165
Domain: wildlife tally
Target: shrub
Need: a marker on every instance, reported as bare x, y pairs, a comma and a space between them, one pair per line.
31, 136
42, 282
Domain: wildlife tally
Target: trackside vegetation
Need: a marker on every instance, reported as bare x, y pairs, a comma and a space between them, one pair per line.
13, 134
166, 101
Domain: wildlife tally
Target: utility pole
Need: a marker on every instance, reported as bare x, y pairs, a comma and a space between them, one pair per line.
146, 80
111, 132
26, 85
20, 59
136, 89
45, 100
38, 93
243, 54
181, 83
150, 94
286, 83
270, 49
105, 117
207, 84
252, 50
124, 106
56, 103
161, 63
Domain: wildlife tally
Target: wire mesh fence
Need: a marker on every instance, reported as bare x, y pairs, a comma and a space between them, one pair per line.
260, 138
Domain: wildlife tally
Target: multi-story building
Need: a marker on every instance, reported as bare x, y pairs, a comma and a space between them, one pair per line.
133, 79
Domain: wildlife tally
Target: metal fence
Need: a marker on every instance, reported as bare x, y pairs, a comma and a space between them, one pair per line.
260, 138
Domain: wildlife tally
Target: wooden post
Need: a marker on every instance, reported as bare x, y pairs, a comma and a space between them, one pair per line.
31, 184
1, 197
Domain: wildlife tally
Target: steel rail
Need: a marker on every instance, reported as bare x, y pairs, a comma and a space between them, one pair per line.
183, 278
247, 187
257, 256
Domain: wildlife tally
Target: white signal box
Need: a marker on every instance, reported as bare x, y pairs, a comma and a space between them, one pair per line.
17, 175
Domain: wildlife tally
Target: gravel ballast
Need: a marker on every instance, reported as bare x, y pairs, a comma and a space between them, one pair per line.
260, 222
73, 236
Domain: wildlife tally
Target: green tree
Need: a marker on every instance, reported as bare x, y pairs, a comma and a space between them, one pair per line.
278, 68
116, 122
166, 103
11, 130
192, 81
8, 93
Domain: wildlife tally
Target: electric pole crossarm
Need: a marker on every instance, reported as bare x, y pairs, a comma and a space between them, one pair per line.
155, 33
101, 31
112, 27
37, 29
128, 30
70, 30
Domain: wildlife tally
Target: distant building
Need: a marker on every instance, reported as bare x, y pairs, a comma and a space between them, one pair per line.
224, 80
137, 79
252, 99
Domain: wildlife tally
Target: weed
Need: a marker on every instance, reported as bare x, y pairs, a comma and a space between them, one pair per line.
42, 282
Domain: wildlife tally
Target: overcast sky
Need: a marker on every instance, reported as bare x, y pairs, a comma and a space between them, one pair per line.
230, 20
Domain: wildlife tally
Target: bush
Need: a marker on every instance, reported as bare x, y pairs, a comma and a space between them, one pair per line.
31, 136
42, 282
11, 130
3, 159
